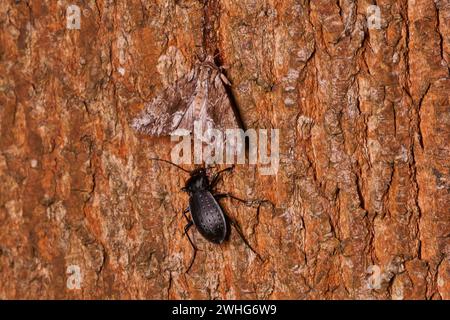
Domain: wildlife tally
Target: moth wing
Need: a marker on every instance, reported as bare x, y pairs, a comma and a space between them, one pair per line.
189, 116
210, 104
221, 111
163, 114
200, 96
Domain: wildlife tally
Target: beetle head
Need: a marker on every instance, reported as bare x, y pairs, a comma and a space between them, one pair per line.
198, 181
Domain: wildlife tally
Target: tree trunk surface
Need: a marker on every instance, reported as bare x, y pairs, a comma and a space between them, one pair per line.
362, 196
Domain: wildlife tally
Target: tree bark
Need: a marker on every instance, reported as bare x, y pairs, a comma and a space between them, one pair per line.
362, 197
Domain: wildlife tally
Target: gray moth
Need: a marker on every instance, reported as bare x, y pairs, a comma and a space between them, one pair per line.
199, 96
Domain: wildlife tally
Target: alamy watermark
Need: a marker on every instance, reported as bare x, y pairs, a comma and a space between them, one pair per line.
74, 277
214, 146
73, 16
373, 17
375, 279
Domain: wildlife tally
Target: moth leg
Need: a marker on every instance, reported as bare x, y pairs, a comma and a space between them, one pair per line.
241, 235
194, 248
215, 178
224, 79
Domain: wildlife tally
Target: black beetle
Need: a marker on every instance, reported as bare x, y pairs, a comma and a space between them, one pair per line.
207, 215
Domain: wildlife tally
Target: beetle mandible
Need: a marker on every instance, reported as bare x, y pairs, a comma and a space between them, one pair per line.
207, 215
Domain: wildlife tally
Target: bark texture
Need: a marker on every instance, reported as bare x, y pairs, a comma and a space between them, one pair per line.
362, 196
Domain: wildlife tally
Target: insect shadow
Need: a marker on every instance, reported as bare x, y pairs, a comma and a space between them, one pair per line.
206, 214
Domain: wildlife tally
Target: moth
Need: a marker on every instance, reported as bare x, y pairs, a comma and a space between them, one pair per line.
198, 96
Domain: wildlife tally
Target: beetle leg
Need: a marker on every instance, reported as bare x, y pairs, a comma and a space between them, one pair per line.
249, 203
185, 215
186, 229
241, 235
188, 226
215, 178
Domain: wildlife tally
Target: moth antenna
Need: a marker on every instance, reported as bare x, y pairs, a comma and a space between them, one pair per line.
169, 162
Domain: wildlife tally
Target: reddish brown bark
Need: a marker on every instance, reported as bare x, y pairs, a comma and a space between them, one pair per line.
364, 182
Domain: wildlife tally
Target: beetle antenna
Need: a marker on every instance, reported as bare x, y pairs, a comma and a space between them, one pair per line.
169, 162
